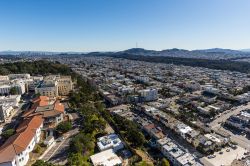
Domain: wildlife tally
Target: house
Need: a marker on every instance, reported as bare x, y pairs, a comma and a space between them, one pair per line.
111, 141
204, 144
183, 129
15, 151
175, 153
154, 131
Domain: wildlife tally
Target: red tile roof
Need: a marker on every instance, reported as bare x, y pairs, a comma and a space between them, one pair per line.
20, 141
59, 106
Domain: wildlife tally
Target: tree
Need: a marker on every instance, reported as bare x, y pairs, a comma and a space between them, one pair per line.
82, 143
42, 163
135, 137
13, 91
76, 159
143, 163
6, 134
165, 162
64, 127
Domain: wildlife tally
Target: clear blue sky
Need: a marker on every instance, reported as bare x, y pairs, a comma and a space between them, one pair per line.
110, 25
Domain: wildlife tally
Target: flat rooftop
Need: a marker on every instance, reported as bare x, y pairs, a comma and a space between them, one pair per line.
105, 158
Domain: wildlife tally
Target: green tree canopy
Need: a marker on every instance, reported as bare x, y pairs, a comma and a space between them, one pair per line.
42, 163
6, 134
165, 162
76, 159
13, 91
64, 127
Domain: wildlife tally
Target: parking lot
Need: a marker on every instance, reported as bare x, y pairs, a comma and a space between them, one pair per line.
224, 157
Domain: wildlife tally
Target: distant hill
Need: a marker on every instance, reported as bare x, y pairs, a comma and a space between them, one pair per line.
245, 50
214, 53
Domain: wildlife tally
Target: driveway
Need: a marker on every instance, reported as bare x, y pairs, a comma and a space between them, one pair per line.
57, 154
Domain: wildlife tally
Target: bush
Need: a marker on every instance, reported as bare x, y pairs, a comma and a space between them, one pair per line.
8, 133
76, 159
37, 149
64, 127
42, 163
165, 162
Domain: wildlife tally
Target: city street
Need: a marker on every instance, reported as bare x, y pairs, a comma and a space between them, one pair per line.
240, 139
225, 115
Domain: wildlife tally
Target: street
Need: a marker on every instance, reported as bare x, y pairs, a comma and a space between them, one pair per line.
225, 115
240, 139
57, 154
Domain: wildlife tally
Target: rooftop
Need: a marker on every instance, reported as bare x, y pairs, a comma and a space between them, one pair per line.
105, 158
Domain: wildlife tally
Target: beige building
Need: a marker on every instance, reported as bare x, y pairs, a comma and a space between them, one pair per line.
64, 85
54, 86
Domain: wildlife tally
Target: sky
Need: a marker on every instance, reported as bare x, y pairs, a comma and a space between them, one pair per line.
113, 25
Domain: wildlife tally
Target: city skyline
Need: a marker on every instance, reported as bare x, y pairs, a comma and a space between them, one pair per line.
85, 26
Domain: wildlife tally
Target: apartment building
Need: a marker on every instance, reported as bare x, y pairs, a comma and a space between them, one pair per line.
149, 94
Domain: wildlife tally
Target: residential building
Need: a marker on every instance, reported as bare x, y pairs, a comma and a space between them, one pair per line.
15, 151
148, 94
111, 141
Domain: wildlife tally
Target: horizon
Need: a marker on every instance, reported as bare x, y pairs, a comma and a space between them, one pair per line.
115, 25
242, 50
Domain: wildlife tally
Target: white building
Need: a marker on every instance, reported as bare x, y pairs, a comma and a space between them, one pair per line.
19, 85
47, 88
5, 111
15, 151
106, 158
149, 94
4, 89
183, 129
143, 79
4, 78
174, 153
111, 141
19, 76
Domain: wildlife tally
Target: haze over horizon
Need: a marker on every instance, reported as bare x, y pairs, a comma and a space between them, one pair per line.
115, 25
